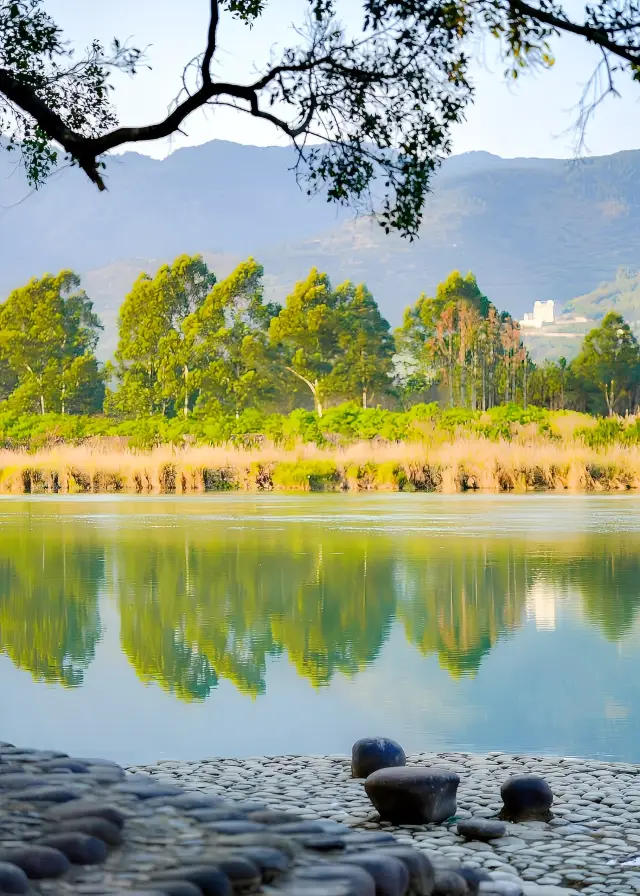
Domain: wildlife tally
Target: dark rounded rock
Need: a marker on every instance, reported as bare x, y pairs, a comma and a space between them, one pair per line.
367, 839
273, 816
474, 877
105, 763
481, 829
64, 764
361, 883
240, 842
80, 849
212, 814
85, 808
291, 829
526, 797
449, 883
211, 880
21, 780
13, 879
390, 875
373, 753
500, 888
95, 827
323, 842
106, 774
241, 871
271, 862
45, 795
247, 806
188, 801
413, 795
236, 827
175, 887
37, 862
421, 871
148, 790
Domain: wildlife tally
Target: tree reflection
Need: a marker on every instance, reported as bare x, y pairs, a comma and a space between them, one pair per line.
49, 621
202, 604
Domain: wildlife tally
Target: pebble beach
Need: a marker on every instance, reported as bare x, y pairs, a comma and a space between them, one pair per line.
583, 848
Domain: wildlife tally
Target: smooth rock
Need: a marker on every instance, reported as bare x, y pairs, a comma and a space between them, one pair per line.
373, 753
45, 795
367, 839
500, 888
236, 827
80, 849
189, 801
360, 881
96, 827
273, 816
65, 764
481, 829
526, 797
13, 879
323, 842
390, 875
421, 871
212, 814
147, 791
85, 808
271, 862
241, 871
175, 887
413, 795
473, 876
449, 883
37, 862
211, 880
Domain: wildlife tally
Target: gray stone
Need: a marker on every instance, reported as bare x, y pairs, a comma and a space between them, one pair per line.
80, 849
413, 794
271, 862
390, 875
373, 753
96, 827
526, 796
13, 879
449, 883
360, 881
37, 862
481, 829
209, 878
421, 871
85, 808
175, 887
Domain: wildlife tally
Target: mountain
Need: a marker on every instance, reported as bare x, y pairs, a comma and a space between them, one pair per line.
528, 228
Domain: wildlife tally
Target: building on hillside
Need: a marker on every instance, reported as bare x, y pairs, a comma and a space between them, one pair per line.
542, 314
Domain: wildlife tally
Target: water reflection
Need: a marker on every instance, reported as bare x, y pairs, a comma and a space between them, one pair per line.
200, 603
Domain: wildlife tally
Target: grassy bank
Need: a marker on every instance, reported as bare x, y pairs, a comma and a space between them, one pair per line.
460, 465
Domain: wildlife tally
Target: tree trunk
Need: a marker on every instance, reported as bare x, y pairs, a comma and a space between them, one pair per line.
484, 384
185, 371
364, 398
42, 404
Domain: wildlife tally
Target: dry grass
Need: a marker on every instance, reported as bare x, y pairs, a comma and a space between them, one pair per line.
458, 466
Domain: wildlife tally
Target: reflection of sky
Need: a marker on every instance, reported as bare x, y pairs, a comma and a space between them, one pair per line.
555, 685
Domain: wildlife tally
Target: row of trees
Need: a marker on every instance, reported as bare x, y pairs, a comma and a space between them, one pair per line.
189, 344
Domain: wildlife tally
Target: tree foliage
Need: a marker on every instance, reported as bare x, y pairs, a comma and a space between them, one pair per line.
610, 360
382, 96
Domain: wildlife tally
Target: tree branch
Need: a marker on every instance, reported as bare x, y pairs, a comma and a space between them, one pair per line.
205, 68
597, 36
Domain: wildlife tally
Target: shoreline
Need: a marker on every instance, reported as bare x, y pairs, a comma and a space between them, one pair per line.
595, 826
463, 465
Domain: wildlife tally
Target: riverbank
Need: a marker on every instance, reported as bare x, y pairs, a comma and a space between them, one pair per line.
594, 831
468, 464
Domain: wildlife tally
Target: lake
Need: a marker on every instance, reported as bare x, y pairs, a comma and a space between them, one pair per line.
145, 628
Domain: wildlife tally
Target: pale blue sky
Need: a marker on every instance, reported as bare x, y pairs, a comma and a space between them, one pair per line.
531, 118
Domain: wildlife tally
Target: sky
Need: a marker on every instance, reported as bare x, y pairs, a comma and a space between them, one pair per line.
535, 117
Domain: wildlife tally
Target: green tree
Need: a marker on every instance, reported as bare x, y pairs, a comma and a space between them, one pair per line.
610, 359
230, 335
155, 357
364, 367
48, 335
306, 333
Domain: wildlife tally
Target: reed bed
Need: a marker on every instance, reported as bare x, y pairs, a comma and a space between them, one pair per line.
466, 464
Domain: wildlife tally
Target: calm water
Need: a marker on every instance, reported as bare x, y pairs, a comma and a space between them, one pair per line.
144, 628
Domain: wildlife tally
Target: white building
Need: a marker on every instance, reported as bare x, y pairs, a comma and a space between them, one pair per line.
542, 314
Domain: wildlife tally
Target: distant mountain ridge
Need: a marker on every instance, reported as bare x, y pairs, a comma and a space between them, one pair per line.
528, 228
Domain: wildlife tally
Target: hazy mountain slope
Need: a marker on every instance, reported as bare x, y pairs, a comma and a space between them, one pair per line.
621, 294
528, 228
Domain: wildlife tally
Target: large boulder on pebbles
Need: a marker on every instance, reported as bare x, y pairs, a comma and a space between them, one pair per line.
413, 795
373, 753
526, 797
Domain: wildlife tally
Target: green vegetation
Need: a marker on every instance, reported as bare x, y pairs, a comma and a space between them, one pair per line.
211, 361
